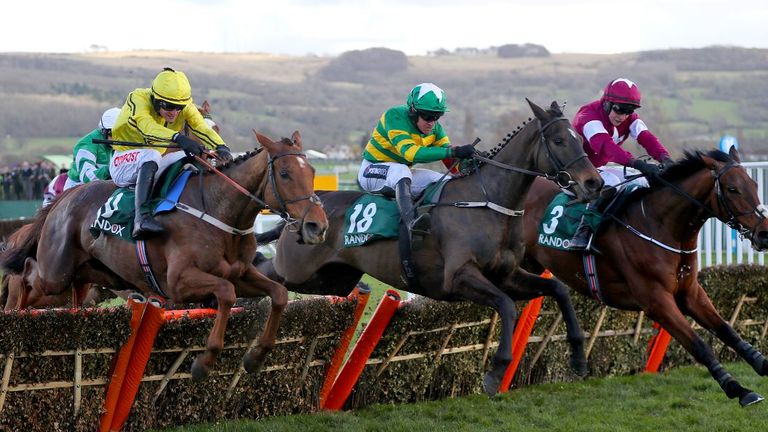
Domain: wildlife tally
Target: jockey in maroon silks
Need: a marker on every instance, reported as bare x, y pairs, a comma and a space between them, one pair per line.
604, 125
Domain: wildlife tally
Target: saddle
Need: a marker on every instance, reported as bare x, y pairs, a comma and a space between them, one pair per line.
115, 216
375, 216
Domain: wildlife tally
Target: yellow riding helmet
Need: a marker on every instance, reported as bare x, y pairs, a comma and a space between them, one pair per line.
172, 86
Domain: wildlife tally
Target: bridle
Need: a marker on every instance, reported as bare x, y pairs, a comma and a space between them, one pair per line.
562, 177
731, 218
283, 203
282, 211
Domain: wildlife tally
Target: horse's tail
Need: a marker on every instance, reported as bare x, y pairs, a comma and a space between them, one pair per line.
23, 243
271, 235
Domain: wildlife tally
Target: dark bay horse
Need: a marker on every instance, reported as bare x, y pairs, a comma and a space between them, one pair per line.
193, 258
658, 273
472, 254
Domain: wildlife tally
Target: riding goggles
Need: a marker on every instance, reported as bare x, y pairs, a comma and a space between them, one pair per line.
169, 106
623, 109
430, 116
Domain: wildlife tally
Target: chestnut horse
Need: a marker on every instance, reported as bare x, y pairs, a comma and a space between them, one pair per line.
11, 285
472, 254
197, 256
648, 252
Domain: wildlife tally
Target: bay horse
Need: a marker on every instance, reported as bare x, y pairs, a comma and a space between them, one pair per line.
648, 255
194, 258
472, 254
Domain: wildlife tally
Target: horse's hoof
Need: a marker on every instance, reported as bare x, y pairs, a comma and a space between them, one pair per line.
491, 384
579, 366
199, 370
750, 398
253, 360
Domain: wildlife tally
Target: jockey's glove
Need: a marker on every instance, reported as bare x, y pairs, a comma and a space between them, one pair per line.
463, 151
190, 146
666, 162
222, 151
647, 169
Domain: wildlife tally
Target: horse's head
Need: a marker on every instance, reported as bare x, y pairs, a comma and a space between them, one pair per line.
561, 153
291, 179
205, 111
737, 203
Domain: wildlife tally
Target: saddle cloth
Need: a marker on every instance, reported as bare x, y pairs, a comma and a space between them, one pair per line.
560, 220
373, 217
115, 217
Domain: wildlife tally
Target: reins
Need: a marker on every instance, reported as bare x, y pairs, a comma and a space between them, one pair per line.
732, 217
561, 167
562, 177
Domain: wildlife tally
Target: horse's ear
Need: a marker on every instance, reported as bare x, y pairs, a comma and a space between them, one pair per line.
296, 138
734, 154
263, 140
555, 108
710, 163
206, 106
537, 111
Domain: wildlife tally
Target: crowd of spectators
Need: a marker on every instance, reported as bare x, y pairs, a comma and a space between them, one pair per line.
26, 181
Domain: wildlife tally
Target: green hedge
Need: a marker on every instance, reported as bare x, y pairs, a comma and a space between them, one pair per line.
282, 392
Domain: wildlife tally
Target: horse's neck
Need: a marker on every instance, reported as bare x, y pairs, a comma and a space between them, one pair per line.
231, 205
509, 188
677, 214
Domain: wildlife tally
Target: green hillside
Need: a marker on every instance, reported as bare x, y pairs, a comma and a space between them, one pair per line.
691, 97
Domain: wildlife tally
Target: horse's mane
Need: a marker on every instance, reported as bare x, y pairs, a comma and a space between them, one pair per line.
490, 154
690, 164
235, 162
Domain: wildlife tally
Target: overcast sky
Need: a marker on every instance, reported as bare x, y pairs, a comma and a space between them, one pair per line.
299, 27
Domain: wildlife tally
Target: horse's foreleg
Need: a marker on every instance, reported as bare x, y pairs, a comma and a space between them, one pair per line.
469, 283
701, 309
522, 285
664, 310
261, 285
198, 283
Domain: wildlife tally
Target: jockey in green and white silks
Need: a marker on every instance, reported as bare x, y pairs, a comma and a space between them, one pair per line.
406, 135
90, 161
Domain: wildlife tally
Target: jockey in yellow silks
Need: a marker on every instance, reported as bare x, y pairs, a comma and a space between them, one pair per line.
157, 115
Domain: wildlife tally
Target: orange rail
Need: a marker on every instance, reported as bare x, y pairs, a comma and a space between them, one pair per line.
121, 364
657, 347
523, 331
354, 366
361, 295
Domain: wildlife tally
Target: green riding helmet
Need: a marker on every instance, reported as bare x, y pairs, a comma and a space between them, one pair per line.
427, 97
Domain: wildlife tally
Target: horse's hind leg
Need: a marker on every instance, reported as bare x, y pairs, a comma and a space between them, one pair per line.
522, 285
665, 311
705, 314
258, 283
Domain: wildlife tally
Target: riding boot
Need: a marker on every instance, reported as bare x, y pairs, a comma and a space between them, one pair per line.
582, 239
143, 223
419, 225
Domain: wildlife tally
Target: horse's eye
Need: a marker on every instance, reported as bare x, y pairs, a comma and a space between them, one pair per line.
732, 190
558, 141
284, 174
